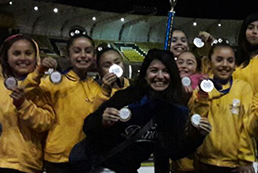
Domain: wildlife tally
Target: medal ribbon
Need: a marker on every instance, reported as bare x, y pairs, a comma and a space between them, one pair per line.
218, 86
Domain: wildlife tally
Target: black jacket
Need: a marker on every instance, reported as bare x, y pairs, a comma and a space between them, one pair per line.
172, 132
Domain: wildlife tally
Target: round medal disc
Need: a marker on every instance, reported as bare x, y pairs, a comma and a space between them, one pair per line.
207, 85
116, 69
198, 42
195, 119
10, 82
186, 81
55, 77
125, 114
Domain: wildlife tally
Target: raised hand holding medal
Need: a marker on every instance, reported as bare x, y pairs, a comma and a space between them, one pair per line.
195, 120
48, 65
116, 69
206, 85
17, 94
198, 42
10, 83
125, 114
202, 124
56, 77
203, 43
186, 81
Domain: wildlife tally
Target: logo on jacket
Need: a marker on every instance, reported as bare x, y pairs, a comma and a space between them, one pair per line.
235, 106
131, 130
149, 136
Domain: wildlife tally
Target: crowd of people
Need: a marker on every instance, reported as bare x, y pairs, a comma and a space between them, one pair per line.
66, 121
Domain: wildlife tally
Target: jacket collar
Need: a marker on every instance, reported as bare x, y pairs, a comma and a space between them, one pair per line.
71, 75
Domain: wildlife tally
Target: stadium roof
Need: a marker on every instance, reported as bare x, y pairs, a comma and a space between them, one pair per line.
213, 9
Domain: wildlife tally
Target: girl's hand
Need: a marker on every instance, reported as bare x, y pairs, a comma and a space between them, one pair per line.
18, 96
110, 116
205, 36
108, 80
46, 64
188, 89
204, 127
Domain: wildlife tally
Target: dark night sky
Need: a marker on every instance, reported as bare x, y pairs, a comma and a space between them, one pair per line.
215, 9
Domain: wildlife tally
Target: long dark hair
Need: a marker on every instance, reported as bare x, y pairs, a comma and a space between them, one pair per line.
174, 91
244, 47
7, 71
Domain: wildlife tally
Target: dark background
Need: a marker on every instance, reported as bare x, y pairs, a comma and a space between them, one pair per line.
212, 9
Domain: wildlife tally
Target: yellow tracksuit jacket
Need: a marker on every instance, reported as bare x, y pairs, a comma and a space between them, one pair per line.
253, 121
249, 73
229, 144
21, 142
72, 100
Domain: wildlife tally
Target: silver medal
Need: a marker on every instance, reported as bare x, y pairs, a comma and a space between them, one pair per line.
116, 69
10, 82
207, 85
198, 42
195, 119
186, 81
125, 114
56, 77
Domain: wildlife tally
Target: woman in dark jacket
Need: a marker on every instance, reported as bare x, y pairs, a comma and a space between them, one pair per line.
110, 140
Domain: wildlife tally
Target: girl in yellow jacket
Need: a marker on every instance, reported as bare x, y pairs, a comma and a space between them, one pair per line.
23, 122
189, 65
229, 146
247, 59
107, 56
73, 98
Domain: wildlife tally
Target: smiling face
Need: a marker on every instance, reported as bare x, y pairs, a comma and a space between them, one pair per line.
187, 64
252, 33
179, 43
81, 54
157, 76
223, 63
21, 58
109, 58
